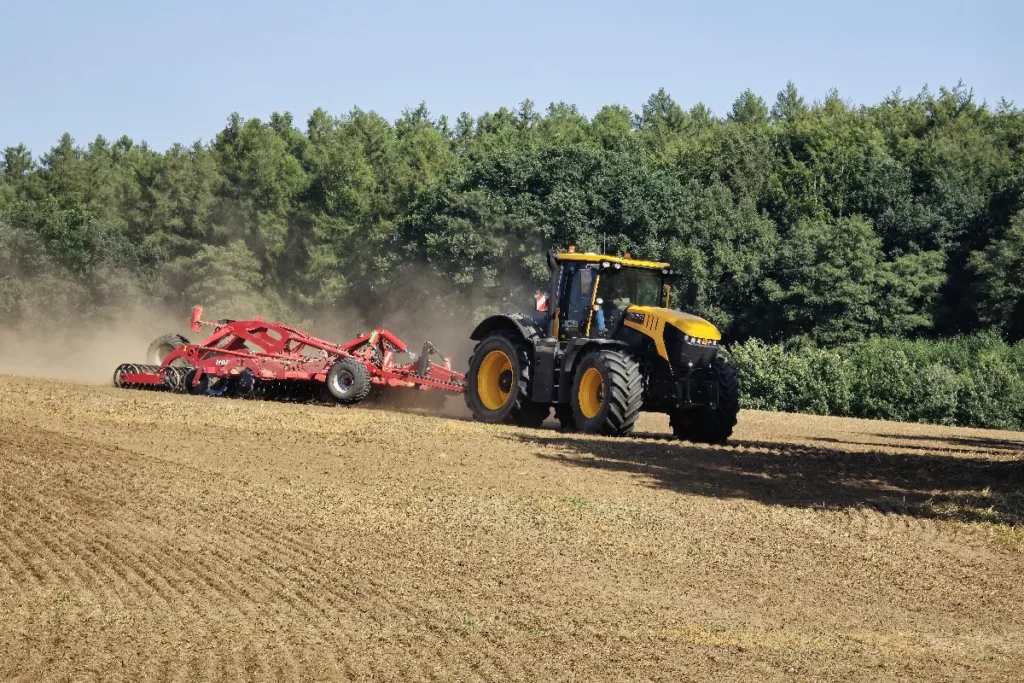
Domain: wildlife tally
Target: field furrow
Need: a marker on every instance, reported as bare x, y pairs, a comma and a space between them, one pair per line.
146, 536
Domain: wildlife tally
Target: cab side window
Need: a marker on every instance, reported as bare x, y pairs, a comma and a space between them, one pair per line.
581, 294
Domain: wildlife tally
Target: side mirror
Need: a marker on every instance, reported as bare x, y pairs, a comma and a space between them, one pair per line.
691, 294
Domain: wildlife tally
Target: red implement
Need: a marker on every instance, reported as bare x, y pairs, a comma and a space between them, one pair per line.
273, 360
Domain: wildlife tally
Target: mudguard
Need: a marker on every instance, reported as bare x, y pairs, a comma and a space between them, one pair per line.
530, 328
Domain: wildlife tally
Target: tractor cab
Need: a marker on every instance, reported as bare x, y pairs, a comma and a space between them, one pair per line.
594, 292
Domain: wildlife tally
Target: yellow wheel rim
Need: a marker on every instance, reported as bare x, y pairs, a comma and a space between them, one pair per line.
591, 393
494, 380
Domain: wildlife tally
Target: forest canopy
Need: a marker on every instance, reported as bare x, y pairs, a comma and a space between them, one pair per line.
813, 223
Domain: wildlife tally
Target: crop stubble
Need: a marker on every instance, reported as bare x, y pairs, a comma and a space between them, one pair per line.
162, 537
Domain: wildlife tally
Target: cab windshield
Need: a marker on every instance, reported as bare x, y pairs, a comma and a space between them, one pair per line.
630, 287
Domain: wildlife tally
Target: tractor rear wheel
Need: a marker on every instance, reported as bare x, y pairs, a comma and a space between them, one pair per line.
498, 382
711, 424
607, 393
163, 346
348, 380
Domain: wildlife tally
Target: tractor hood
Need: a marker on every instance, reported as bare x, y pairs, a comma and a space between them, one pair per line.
688, 324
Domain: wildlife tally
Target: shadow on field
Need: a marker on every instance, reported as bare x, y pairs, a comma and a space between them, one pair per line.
961, 442
931, 444
923, 485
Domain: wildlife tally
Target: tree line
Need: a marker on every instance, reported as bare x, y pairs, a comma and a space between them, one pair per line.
813, 224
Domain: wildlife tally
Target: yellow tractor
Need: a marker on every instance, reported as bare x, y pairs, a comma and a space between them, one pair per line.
602, 346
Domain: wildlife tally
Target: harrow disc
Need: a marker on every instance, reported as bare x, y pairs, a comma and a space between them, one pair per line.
174, 378
242, 385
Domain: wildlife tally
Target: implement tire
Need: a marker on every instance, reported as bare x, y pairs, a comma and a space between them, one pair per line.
711, 425
607, 393
498, 382
348, 381
162, 346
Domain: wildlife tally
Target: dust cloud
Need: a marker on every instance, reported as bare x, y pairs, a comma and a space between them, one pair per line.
67, 345
85, 349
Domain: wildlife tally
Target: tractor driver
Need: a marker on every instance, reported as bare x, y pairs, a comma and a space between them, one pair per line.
609, 301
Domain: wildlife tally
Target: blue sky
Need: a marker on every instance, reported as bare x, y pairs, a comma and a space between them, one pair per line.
173, 72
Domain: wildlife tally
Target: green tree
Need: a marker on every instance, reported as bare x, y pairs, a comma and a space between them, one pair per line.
789, 105
612, 126
827, 280
749, 108
1001, 287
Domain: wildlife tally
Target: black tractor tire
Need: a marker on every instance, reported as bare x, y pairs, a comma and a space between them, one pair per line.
607, 393
501, 395
566, 418
162, 347
711, 425
348, 380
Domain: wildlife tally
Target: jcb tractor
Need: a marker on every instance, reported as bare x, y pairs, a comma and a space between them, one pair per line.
603, 346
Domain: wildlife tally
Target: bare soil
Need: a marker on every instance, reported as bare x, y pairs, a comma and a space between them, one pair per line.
148, 536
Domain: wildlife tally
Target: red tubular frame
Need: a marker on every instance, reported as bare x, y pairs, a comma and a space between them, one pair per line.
275, 351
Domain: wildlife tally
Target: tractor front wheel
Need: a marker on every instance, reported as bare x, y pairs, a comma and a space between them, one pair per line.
607, 393
711, 424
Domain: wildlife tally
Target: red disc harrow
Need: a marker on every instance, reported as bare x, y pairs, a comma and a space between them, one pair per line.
262, 359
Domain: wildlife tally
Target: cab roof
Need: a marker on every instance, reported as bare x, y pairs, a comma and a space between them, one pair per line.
598, 258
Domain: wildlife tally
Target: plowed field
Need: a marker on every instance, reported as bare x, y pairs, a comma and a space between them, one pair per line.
148, 536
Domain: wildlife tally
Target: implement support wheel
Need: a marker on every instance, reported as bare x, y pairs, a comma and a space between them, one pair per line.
348, 380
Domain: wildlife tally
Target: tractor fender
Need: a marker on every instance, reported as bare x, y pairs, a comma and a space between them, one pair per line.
579, 348
528, 327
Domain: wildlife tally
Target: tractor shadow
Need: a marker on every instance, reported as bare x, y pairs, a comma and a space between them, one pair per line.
921, 484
